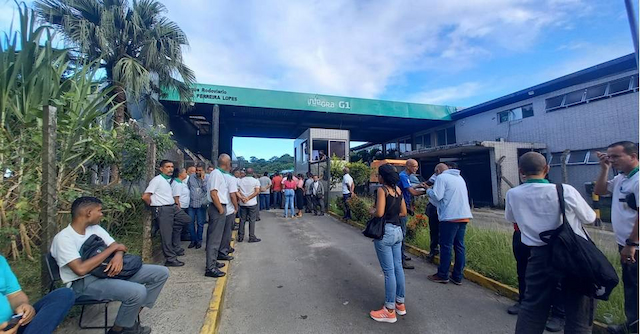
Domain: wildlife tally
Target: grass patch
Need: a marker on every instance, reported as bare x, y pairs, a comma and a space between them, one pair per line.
489, 252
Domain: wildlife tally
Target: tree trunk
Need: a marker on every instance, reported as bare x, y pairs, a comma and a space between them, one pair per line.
118, 119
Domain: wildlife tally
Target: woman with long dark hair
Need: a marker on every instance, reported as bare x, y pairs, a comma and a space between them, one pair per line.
289, 193
300, 195
390, 207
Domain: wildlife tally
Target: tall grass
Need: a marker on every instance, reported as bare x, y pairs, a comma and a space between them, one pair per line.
489, 252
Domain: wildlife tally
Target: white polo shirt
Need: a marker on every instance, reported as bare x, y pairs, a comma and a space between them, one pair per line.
622, 216
218, 182
182, 190
161, 192
247, 185
347, 181
232, 184
536, 209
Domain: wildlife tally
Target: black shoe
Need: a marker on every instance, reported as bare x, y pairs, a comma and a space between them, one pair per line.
514, 309
180, 252
321, 214
555, 324
225, 257
456, 282
216, 273
254, 240
240, 238
231, 250
258, 219
406, 258
191, 245
174, 263
407, 266
198, 245
431, 258
132, 330
315, 213
220, 265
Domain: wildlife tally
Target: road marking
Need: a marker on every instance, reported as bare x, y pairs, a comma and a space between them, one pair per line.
214, 312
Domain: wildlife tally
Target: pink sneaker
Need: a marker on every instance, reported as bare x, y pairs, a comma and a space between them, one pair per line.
383, 315
401, 309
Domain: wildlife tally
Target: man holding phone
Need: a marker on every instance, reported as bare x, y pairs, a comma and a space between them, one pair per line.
18, 316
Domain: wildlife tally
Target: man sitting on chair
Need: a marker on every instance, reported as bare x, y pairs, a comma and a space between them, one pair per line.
140, 290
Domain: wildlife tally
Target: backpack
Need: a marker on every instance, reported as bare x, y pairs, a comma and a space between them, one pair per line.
95, 245
579, 259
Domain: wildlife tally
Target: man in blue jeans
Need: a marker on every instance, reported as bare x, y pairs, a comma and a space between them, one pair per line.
409, 190
452, 197
197, 206
41, 318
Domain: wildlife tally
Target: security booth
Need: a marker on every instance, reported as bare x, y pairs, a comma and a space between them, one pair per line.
316, 145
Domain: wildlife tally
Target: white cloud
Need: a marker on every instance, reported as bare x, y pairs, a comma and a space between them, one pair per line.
447, 94
352, 47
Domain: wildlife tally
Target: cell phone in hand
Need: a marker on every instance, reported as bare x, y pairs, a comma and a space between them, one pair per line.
13, 322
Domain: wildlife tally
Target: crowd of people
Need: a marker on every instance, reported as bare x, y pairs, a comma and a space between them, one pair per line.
548, 299
190, 198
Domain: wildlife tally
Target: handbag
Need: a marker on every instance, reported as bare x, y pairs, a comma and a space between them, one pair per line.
374, 228
95, 245
579, 259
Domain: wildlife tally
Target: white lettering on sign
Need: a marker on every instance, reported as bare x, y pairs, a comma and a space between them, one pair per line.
316, 102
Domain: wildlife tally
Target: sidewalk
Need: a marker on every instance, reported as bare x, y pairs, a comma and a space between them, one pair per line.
180, 308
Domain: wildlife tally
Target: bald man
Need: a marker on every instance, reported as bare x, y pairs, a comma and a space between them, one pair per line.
218, 193
408, 191
534, 207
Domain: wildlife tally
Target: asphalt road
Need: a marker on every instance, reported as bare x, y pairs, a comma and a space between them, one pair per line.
318, 275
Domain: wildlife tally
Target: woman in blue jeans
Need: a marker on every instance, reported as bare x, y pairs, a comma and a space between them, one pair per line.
390, 206
290, 186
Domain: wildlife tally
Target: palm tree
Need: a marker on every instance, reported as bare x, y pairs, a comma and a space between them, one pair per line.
140, 49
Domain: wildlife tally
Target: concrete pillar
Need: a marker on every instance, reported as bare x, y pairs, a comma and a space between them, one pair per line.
215, 134
49, 200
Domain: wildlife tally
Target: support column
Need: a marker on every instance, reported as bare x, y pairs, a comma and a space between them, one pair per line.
49, 200
215, 134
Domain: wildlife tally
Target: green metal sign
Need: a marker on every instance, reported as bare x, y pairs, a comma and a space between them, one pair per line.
236, 96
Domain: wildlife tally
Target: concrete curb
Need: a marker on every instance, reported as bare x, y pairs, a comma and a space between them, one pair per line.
214, 312
471, 275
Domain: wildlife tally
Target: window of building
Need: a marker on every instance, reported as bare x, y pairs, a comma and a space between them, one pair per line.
574, 97
634, 82
556, 159
554, 102
337, 148
418, 142
451, 135
305, 151
441, 137
426, 140
596, 91
577, 157
515, 113
619, 86
592, 159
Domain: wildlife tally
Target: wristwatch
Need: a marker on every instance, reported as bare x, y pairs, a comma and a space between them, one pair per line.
628, 242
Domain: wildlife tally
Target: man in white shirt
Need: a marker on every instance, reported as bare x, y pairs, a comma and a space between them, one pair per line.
140, 290
534, 206
623, 156
248, 190
164, 202
230, 219
219, 198
348, 188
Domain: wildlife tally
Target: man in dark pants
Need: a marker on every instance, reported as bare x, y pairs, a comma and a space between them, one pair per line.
230, 219
248, 191
408, 192
535, 207
169, 217
219, 198
317, 196
521, 252
348, 188
623, 157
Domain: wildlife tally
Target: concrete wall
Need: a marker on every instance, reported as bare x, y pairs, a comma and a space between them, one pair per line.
584, 126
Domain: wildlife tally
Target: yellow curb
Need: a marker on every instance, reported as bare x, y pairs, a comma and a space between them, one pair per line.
214, 312
472, 275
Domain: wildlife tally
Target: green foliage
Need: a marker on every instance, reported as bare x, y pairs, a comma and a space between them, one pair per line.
358, 170
275, 164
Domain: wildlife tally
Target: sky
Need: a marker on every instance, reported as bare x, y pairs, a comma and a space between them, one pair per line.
459, 52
